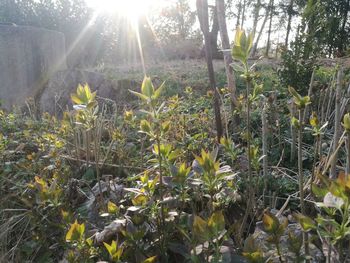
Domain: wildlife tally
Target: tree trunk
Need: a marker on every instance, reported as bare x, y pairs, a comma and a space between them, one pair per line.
203, 17
220, 5
343, 30
290, 14
255, 46
238, 21
256, 16
243, 12
214, 35
271, 7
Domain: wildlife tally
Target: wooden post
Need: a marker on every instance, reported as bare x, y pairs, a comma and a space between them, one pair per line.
220, 6
337, 120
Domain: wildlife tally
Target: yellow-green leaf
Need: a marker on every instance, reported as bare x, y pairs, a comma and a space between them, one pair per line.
139, 200
166, 126
346, 122
295, 122
159, 91
250, 42
224, 142
75, 232
83, 96
306, 223
270, 223
76, 99
112, 248
145, 126
89, 241
128, 115
242, 46
112, 208
294, 93
318, 191
238, 36
314, 120
216, 222
147, 87
200, 229
251, 251
141, 96
150, 260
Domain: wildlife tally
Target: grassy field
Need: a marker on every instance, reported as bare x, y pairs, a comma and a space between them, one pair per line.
180, 74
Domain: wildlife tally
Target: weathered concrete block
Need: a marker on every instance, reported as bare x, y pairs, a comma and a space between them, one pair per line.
29, 57
56, 96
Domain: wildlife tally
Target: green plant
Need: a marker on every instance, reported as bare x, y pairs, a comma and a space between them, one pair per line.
275, 230
82, 249
85, 105
211, 231
241, 51
114, 250
346, 125
212, 180
332, 224
231, 149
301, 103
252, 252
317, 132
155, 128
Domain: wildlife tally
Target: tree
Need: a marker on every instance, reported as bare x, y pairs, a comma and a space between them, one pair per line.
203, 17
271, 11
244, 6
238, 19
214, 32
325, 23
290, 12
17, 12
175, 22
257, 39
225, 42
256, 14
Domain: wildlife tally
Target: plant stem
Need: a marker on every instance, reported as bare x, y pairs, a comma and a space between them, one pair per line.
316, 155
348, 155
97, 159
162, 218
264, 142
279, 252
301, 177
294, 135
87, 147
250, 176
160, 170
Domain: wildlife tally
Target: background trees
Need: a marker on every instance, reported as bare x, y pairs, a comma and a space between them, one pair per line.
172, 31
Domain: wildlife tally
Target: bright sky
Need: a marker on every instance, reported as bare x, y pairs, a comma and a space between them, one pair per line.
132, 9
129, 6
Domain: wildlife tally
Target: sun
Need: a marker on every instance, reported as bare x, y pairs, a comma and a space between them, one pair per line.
133, 12
131, 9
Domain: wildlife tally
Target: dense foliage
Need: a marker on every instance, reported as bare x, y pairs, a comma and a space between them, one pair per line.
154, 180
151, 184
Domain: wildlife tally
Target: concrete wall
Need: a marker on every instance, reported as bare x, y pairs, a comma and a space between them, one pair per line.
29, 57
56, 96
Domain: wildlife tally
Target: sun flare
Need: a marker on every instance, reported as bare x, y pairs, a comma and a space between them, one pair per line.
131, 9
